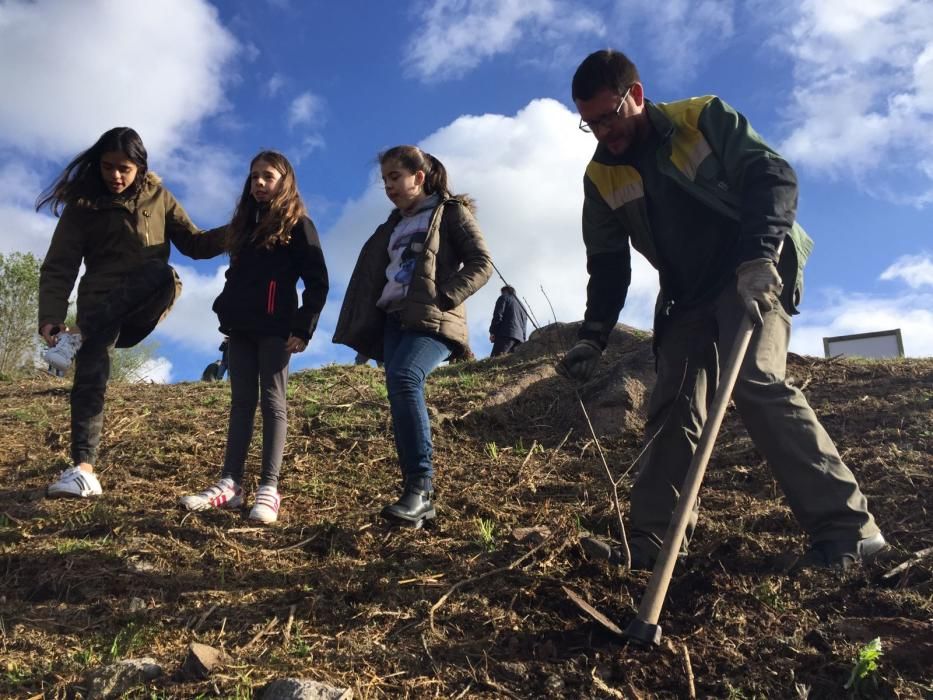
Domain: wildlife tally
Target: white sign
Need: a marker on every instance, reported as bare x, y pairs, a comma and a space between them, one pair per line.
877, 345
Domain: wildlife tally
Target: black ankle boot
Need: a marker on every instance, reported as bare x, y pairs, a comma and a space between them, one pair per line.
414, 508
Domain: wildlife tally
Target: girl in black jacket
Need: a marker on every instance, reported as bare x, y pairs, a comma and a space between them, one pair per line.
272, 243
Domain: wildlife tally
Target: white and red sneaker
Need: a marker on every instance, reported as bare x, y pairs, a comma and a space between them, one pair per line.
226, 493
266, 508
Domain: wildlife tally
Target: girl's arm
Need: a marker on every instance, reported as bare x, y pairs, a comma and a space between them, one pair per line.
468, 241
309, 261
187, 237
60, 268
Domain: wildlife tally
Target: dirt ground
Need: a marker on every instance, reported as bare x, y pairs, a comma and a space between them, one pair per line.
462, 609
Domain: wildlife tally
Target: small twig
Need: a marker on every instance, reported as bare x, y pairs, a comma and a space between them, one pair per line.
531, 451
557, 449
916, 557
204, 617
464, 691
261, 633
465, 582
288, 625
12, 519
601, 684
553, 313
531, 315
688, 667
613, 483
298, 545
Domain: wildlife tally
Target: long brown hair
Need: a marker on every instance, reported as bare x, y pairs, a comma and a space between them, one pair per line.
81, 177
274, 226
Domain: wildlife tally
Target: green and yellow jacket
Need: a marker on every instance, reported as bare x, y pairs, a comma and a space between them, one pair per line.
712, 153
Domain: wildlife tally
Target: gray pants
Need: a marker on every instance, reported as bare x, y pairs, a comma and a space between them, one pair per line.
258, 369
820, 489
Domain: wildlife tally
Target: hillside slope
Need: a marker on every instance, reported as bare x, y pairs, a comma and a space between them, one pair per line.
330, 593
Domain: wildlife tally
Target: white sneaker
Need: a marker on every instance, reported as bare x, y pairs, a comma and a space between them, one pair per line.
75, 482
226, 493
63, 352
266, 508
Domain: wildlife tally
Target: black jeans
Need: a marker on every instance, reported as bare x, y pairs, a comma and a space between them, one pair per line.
123, 319
258, 364
503, 346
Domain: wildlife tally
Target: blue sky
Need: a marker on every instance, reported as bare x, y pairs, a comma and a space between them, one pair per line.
845, 93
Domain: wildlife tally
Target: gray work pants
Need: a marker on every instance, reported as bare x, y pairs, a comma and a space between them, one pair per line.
820, 489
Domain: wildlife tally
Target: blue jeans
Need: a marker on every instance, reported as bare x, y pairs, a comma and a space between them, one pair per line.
410, 356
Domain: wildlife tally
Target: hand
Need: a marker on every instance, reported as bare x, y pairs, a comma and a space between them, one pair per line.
49, 333
758, 284
580, 361
295, 344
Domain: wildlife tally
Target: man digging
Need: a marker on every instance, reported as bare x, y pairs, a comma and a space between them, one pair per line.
695, 189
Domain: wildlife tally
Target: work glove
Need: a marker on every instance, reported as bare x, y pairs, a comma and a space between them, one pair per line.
580, 361
758, 284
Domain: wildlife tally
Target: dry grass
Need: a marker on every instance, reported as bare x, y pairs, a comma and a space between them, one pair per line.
330, 593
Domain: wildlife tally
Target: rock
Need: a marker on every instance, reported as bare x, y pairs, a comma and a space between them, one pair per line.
137, 604
201, 661
531, 535
298, 689
114, 680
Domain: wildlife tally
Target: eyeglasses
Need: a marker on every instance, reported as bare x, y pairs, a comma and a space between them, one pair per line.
605, 121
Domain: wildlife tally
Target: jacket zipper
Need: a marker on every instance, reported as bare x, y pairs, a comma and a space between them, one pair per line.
270, 298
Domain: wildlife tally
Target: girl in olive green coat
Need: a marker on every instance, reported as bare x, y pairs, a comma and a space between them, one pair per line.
119, 220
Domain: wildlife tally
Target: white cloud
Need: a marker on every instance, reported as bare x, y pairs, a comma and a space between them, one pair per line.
212, 178
678, 33
526, 174
305, 110
191, 322
21, 228
845, 313
915, 270
275, 84
455, 36
165, 64
863, 102
158, 370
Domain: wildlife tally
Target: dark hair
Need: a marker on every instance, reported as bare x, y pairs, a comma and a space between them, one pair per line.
414, 159
508, 289
81, 177
604, 69
284, 210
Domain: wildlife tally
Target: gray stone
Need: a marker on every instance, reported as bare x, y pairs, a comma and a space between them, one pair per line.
201, 661
114, 680
299, 689
531, 535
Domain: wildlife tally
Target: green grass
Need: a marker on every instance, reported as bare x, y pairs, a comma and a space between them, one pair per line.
69, 545
298, 647
128, 640
487, 533
865, 666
